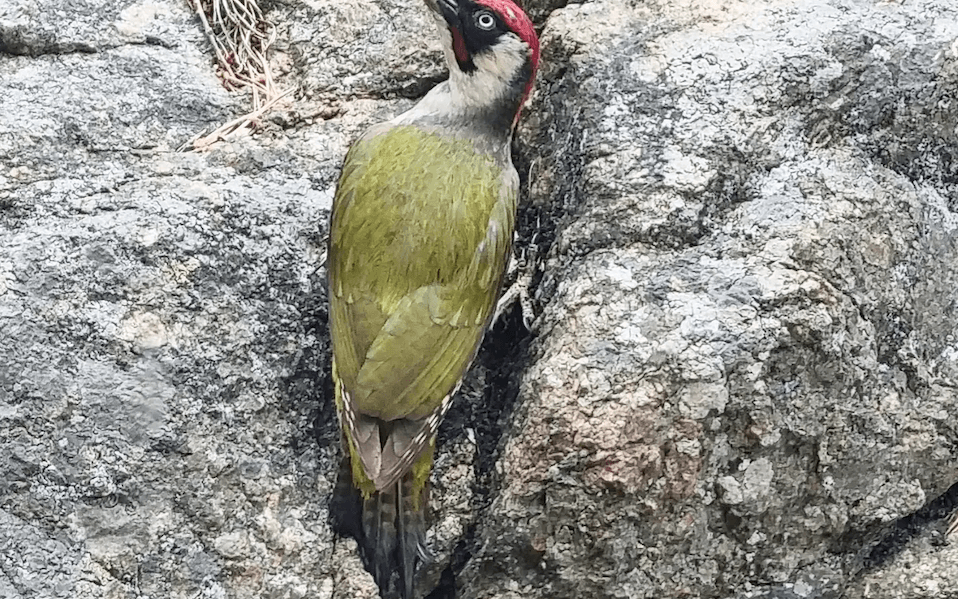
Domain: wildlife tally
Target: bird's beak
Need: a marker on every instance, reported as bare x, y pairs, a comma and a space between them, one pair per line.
447, 9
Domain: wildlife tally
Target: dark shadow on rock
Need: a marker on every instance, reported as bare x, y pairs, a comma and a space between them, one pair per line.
498, 367
909, 527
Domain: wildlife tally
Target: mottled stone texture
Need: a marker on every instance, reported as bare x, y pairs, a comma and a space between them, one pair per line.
742, 220
157, 309
745, 373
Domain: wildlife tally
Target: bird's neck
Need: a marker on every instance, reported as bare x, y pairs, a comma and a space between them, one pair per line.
499, 82
488, 124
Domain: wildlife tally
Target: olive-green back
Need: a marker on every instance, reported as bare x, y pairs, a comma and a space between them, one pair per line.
420, 237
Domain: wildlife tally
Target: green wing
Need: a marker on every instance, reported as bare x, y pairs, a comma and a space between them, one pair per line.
420, 237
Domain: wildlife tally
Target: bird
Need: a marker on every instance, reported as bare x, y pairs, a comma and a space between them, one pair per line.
420, 237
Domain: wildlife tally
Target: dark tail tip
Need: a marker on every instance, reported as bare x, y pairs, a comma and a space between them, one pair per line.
390, 528
411, 526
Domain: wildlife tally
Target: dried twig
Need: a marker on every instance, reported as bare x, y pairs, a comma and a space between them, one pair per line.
201, 142
241, 38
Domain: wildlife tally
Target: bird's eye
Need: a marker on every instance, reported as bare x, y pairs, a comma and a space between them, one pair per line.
485, 20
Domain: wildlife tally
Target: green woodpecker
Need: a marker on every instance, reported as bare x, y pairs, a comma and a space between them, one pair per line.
420, 236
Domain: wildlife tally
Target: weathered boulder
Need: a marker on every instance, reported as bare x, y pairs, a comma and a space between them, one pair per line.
156, 311
745, 372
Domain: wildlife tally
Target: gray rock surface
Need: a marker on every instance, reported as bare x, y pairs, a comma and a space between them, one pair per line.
742, 381
745, 373
154, 309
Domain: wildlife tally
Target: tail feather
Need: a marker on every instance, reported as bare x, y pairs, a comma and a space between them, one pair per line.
412, 531
379, 534
391, 532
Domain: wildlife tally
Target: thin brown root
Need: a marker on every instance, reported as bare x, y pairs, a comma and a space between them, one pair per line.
247, 121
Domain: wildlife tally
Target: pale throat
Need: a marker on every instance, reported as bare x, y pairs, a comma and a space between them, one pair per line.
494, 79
